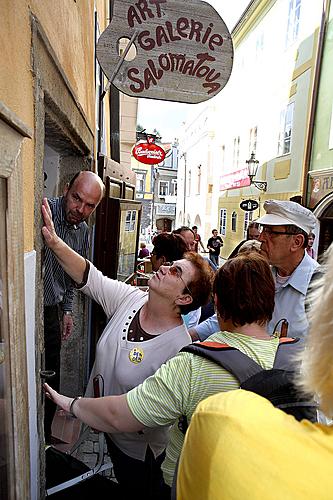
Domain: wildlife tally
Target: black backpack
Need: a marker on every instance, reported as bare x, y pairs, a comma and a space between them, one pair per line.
277, 384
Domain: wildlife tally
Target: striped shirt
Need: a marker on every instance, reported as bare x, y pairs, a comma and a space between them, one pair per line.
58, 286
185, 380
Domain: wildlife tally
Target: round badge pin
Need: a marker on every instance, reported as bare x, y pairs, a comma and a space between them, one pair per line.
136, 355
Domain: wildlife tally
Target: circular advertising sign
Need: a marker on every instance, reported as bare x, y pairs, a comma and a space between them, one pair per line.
148, 153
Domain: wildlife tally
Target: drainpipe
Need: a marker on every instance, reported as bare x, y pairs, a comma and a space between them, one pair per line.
314, 99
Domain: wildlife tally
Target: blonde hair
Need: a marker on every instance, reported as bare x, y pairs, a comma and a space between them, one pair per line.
250, 246
317, 358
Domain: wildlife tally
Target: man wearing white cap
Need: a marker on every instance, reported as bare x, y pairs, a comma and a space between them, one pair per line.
284, 231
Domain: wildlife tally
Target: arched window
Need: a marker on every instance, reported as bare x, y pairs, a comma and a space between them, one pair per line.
233, 221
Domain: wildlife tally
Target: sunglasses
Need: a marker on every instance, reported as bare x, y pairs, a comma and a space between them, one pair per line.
177, 271
268, 231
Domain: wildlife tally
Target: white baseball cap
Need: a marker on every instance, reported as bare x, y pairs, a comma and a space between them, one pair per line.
282, 213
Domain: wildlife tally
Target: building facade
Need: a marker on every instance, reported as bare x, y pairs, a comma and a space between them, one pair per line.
320, 176
264, 109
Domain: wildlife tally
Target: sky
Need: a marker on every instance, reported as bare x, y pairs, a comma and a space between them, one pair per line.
167, 117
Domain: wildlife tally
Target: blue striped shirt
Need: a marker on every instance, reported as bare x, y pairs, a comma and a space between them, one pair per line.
58, 286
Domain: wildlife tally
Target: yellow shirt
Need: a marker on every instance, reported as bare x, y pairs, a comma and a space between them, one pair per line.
239, 447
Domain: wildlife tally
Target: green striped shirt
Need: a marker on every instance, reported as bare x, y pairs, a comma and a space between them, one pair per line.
185, 380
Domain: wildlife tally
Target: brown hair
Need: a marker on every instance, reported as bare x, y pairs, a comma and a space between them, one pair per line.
171, 246
245, 290
201, 285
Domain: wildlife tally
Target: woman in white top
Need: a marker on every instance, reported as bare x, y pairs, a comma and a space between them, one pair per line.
144, 331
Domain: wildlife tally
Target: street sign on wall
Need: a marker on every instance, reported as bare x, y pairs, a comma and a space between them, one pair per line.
184, 50
249, 205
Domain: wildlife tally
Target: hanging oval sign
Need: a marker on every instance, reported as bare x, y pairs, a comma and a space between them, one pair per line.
148, 153
249, 205
180, 50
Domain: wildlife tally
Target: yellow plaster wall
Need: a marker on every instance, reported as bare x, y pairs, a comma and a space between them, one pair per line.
231, 203
69, 26
282, 169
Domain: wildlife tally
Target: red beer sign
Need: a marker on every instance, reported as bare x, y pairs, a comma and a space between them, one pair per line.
148, 153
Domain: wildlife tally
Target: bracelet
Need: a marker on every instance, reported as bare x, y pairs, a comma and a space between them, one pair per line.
67, 313
72, 404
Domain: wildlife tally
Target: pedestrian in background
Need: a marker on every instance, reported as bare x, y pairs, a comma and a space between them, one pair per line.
252, 233
188, 234
144, 252
197, 240
310, 250
214, 245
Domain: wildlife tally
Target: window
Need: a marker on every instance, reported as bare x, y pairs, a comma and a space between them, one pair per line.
293, 21
223, 221
189, 183
247, 219
174, 187
235, 160
198, 179
259, 45
330, 142
233, 221
130, 220
253, 141
140, 181
286, 123
163, 189
223, 157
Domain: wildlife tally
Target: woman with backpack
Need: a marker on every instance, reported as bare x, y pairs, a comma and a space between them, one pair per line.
244, 297
239, 446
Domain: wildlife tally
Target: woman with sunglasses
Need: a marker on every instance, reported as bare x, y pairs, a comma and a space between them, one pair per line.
144, 331
174, 391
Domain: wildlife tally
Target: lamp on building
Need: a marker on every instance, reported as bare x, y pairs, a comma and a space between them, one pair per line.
252, 166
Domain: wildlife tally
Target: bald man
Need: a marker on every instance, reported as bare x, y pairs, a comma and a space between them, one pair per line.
70, 211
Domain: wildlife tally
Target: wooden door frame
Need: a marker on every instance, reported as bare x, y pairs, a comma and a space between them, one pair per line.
13, 131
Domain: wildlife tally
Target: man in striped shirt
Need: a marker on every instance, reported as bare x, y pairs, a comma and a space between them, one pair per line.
70, 211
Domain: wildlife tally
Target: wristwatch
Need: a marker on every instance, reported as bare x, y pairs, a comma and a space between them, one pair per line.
67, 313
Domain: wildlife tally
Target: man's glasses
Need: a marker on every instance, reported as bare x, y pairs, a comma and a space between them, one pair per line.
177, 271
268, 231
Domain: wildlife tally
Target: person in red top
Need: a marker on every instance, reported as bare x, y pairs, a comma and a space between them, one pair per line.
197, 239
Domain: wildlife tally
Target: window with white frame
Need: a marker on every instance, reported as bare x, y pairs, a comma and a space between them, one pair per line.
235, 160
140, 181
198, 179
174, 187
247, 219
253, 140
286, 123
223, 221
234, 221
189, 183
163, 188
130, 220
293, 21
222, 157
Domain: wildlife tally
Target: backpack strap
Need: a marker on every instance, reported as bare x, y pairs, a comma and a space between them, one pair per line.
287, 354
230, 358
